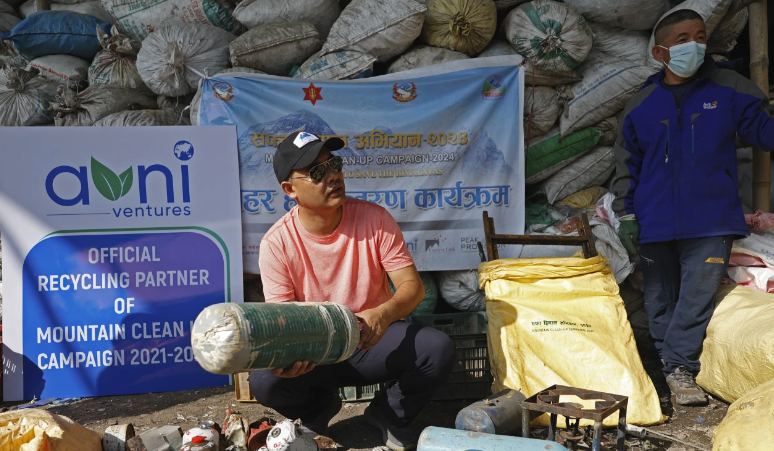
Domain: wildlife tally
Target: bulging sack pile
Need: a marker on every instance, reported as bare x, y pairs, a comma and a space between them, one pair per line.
138, 18
737, 353
320, 13
465, 26
173, 59
89, 106
551, 34
25, 97
422, 56
275, 48
116, 64
746, 417
381, 29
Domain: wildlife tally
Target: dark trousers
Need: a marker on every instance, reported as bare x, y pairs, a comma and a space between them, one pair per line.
418, 359
681, 278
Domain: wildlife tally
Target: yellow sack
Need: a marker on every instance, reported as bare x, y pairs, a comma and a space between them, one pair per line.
40, 430
738, 353
561, 321
748, 422
584, 199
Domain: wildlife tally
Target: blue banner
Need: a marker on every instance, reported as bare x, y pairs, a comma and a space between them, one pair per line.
435, 146
109, 254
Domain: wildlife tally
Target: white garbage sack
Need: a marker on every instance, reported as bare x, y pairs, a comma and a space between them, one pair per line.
423, 55
335, 66
94, 103
621, 43
276, 47
164, 116
24, 97
116, 64
173, 59
460, 289
464, 26
609, 245
378, 28
712, 11
533, 75
8, 17
591, 169
542, 108
550, 34
138, 18
62, 68
321, 13
723, 39
629, 14
68, 2
508, 4
608, 84
93, 8
196, 102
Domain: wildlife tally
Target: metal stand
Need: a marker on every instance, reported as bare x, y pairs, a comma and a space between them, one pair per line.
547, 401
585, 239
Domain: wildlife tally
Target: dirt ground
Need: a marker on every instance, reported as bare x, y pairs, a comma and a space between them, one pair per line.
688, 429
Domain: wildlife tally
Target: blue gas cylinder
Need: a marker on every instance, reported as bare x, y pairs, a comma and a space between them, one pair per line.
441, 439
497, 414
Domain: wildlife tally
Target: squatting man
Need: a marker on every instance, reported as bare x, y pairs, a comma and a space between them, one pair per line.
330, 248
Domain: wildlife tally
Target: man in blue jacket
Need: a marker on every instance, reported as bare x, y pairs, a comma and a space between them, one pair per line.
676, 187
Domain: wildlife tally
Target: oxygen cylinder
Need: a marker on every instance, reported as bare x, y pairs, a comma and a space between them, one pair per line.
441, 439
236, 337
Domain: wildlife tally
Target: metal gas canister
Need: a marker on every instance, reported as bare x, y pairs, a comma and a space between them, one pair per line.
498, 414
206, 429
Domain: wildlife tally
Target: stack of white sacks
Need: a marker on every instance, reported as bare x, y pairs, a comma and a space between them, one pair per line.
144, 61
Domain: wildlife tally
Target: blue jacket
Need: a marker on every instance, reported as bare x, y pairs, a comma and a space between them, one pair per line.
676, 166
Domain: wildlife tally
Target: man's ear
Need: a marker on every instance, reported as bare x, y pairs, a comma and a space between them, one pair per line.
289, 189
660, 54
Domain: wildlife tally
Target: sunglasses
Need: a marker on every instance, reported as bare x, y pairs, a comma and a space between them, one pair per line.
317, 172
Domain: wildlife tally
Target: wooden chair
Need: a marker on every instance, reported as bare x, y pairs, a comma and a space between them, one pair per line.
584, 239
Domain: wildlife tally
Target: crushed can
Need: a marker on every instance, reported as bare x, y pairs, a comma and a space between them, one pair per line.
206, 429
199, 443
236, 429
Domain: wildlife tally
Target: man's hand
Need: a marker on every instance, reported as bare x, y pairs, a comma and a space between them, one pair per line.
296, 370
629, 234
374, 326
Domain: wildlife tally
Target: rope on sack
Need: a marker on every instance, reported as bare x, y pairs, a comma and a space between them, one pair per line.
532, 107
565, 95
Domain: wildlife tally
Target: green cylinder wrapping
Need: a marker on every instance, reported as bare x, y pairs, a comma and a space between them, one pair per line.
236, 337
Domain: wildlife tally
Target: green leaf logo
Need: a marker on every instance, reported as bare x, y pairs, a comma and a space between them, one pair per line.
110, 185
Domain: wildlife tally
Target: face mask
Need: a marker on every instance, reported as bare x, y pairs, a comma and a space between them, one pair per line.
685, 59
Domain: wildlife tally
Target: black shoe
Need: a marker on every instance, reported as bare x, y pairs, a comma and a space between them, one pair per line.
684, 387
319, 422
395, 438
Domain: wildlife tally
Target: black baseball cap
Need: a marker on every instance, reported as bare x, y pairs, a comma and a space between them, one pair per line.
299, 150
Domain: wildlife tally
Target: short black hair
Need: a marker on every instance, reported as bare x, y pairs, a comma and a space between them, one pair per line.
681, 15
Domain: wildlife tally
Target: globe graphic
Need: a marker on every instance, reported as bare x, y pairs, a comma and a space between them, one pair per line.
184, 150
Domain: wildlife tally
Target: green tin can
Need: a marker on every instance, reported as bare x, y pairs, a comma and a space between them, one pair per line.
236, 337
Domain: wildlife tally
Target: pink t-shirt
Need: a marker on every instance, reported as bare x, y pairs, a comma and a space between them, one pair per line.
347, 267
